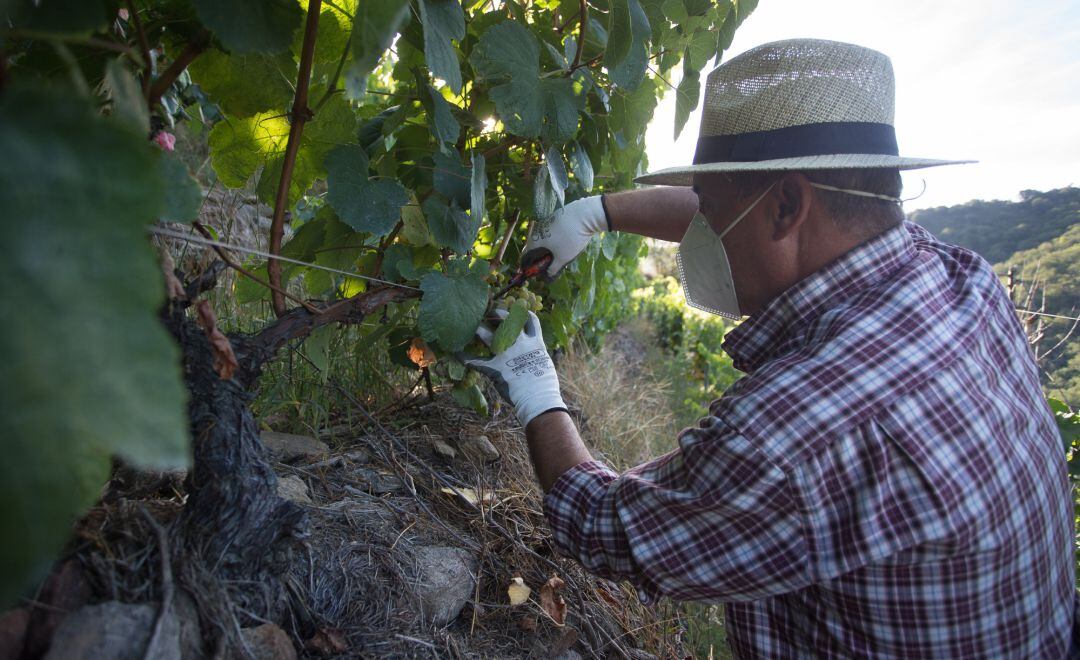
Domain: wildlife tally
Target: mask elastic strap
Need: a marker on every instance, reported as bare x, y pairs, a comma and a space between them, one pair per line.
860, 193
747, 210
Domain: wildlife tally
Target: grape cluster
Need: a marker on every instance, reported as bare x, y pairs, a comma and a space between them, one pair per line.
532, 300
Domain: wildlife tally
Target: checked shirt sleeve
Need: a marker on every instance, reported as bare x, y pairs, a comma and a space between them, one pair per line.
713, 520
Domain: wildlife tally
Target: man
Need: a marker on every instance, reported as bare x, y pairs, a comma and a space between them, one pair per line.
886, 480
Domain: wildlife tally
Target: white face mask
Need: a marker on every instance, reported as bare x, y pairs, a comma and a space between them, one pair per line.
704, 269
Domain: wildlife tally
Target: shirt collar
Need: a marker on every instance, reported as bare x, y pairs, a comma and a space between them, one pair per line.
778, 327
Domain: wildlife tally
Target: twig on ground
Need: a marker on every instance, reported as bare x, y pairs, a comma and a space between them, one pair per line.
166, 583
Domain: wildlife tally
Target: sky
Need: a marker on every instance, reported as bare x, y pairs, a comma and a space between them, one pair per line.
989, 80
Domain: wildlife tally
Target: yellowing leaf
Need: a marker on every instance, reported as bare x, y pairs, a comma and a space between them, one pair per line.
471, 496
421, 353
518, 591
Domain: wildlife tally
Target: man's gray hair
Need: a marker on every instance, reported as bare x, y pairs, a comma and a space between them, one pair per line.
861, 216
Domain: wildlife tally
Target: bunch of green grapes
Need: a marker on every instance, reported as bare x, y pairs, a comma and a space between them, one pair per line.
531, 299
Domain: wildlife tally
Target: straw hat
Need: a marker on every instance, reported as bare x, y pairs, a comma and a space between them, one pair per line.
795, 105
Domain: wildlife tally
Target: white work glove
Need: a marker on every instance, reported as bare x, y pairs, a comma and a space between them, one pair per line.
566, 233
523, 374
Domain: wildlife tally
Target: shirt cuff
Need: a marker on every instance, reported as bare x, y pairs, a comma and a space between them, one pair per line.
571, 499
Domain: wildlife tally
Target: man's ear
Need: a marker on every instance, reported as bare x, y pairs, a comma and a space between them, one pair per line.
793, 195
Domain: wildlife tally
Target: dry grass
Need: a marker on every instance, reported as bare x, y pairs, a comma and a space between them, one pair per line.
625, 411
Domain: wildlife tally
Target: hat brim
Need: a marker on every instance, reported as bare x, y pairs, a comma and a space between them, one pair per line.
684, 176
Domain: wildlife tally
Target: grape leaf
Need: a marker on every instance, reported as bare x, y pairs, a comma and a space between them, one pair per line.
443, 20
477, 206
245, 84
451, 178
88, 369
251, 26
582, 165
183, 196
451, 308
444, 127
544, 199
510, 327
372, 206
239, 147
630, 71
449, 225
620, 35
686, 98
508, 57
473, 398
127, 98
558, 178
375, 25
414, 230
58, 16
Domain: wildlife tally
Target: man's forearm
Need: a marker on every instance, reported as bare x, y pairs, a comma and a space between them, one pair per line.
554, 446
663, 212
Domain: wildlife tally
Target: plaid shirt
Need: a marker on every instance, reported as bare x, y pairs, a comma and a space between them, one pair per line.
886, 480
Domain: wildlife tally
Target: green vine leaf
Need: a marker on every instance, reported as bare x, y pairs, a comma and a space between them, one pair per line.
687, 94
183, 197
251, 26
367, 205
443, 20
630, 71
451, 178
451, 308
582, 165
89, 371
620, 36
470, 396
450, 226
239, 147
558, 178
510, 327
508, 56
444, 127
375, 25
245, 84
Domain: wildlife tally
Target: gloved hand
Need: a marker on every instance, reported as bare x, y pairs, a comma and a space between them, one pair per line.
566, 233
523, 374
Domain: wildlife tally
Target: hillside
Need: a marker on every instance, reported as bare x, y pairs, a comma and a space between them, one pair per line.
997, 229
1053, 270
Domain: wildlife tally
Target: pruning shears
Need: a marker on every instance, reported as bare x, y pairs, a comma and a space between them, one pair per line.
526, 273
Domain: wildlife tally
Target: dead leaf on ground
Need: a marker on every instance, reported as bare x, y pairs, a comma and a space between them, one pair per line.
225, 363
552, 602
564, 643
471, 496
327, 642
421, 353
518, 591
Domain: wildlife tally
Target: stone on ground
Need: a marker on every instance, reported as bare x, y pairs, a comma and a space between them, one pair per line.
445, 581
287, 447
293, 488
119, 631
269, 642
478, 448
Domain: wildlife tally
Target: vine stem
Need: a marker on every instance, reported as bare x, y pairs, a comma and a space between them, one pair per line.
144, 46
507, 235
584, 17
197, 45
301, 113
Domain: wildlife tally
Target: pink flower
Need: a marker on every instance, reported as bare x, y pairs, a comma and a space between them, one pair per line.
165, 140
